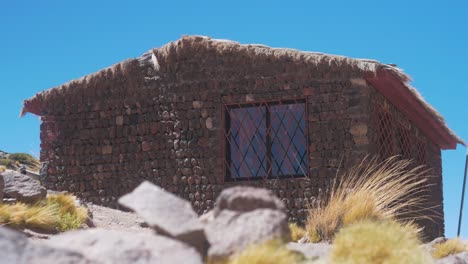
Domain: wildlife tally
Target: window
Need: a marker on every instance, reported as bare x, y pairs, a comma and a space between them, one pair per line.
385, 134
396, 136
266, 140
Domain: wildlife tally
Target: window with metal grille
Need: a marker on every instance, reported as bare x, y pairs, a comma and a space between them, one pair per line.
395, 136
266, 140
385, 134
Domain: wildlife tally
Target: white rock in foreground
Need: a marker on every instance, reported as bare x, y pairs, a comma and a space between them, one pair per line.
231, 232
15, 248
168, 214
114, 247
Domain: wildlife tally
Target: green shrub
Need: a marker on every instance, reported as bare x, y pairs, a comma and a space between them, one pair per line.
26, 159
8, 163
374, 242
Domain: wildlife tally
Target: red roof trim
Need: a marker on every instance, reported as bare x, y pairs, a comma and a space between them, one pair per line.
397, 93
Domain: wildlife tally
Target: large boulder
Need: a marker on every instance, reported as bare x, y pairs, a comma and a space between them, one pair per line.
16, 248
168, 214
22, 188
460, 258
112, 246
233, 231
245, 199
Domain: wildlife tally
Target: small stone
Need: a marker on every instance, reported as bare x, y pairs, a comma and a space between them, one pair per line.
361, 140
154, 128
119, 120
107, 150
209, 123
204, 113
358, 130
146, 146
197, 104
358, 82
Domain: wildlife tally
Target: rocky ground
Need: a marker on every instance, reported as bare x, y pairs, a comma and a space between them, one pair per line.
162, 228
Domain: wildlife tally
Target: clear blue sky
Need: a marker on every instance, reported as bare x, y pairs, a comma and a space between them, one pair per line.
46, 43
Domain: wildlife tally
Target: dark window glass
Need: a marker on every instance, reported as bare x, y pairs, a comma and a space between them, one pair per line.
265, 140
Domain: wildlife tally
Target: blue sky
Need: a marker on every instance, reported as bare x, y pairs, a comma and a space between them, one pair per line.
46, 43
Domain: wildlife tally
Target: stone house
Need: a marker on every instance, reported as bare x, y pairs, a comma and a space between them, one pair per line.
199, 114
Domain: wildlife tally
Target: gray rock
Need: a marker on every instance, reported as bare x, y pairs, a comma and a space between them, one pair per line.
245, 199
311, 251
22, 187
39, 254
112, 246
232, 231
461, 258
438, 240
12, 245
2, 186
168, 214
429, 247
17, 249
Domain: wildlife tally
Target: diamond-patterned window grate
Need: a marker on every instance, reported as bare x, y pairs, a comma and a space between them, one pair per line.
266, 140
385, 133
393, 137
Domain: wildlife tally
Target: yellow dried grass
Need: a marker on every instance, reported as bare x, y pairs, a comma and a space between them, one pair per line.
296, 231
391, 189
273, 251
449, 247
374, 242
55, 213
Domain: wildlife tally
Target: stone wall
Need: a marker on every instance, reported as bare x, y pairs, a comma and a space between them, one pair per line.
165, 125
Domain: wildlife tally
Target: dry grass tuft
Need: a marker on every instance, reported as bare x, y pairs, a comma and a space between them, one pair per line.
387, 190
56, 213
71, 216
2, 168
369, 242
65, 203
41, 217
449, 247
267, 253
296, 231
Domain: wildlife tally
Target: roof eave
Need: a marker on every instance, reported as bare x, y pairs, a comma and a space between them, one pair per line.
400, 95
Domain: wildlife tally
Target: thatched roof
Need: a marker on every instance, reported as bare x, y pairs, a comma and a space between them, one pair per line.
167, 54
